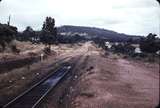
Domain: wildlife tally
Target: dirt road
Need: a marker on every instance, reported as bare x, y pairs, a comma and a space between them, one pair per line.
114, 82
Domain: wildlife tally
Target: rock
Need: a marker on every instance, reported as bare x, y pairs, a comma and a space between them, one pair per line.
87, 94
37, 73
75, 76
10, 81
23, 78
90, 68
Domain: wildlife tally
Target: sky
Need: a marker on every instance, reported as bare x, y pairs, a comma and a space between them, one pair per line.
135, 17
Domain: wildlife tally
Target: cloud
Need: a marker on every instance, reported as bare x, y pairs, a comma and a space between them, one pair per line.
125, 16
137, 4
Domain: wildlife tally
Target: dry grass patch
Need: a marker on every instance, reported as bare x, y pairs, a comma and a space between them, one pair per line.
16, 81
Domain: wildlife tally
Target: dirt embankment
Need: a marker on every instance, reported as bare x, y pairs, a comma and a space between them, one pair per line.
29, 54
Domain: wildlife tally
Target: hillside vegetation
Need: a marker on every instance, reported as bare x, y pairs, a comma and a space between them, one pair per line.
92, 32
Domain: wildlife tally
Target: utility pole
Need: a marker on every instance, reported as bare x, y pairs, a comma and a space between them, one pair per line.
9, 19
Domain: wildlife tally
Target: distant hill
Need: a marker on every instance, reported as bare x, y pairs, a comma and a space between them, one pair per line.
92, 32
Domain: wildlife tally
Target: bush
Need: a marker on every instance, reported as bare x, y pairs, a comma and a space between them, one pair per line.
123, 48
14, 49
150, 44
47, 50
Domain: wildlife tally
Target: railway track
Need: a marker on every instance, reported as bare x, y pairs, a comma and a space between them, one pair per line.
33, 96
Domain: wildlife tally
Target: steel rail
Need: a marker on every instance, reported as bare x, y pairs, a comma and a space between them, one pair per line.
47, 83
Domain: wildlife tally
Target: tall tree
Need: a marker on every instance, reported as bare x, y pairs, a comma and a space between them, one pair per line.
7, 34
28, 34
49, 32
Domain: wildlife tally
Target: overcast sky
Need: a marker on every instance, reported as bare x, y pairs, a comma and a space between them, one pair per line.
137, 17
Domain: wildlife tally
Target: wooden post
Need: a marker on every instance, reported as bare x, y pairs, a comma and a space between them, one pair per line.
9, 19
42, 57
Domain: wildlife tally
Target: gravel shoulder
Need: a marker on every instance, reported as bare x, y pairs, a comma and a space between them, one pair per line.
115, 82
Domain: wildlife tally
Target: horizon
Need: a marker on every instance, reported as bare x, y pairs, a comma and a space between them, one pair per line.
131, 14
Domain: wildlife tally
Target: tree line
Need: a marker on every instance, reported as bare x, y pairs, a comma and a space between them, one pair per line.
47, 35
149, 47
